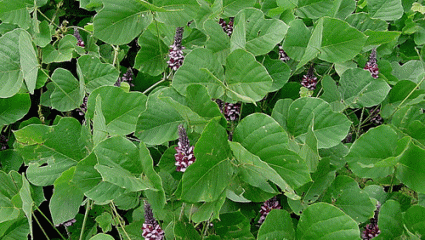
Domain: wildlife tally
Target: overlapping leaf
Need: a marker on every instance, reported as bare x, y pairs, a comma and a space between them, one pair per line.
14, 108
95, 74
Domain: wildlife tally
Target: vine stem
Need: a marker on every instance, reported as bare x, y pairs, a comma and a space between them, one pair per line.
360, 123
86, 214
48, 220
119, 219
154, 85
42, 229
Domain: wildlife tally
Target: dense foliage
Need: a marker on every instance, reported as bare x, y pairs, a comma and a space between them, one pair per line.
212, 119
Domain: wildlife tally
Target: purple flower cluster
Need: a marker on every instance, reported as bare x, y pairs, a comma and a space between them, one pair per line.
151, 228
176, 51
83, 107
376, 116
227, 27
282, 54
372, 230
3, 142
184, 156
77, 35
309, 81
267, 206
371, 65
231, 111
126, 77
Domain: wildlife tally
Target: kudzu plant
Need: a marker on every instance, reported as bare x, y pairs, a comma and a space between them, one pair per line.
212, 119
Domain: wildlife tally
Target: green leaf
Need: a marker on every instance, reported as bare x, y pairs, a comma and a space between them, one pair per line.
247, 79
120, 22
156, 198
390, 220
100, 131
105, 221
27, 202
345, 194
369, 149
231, 7
176, 13
218, 41
411, 168
8, 189
329, 127
279, 72
380, 37
410, 70
185, 230
309, 150
410, 120
200, 102
256, 172
262, 136
150, 57
324, 221
50, 150
278, 225
359, 89
11, 75
17, 11
362, 21
67, 94
414, 219
200, 66
65, 193
209, 210
122, 178
342, 8
261, 34
296, 39
28, 61
44, 36
65, 48
159, 123
233, 225
14, 108
211, 173
101, 236
387, 10
313, 8
120, 109
95, 74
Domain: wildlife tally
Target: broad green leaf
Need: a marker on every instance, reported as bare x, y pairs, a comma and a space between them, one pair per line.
309, 150
261, 135
28, 61
410, 120
150, 57
369, 149
200, 66
278, 225
95, 74
340, 42
362, 21
10, 160
44, 35
209, 210
50, 150
11, 76
67, 93
329, 127
231, 7
61, 53
345, 194
65, 193
212, 167
119, 108
102, 236
414, 219
218, 41
341, 9
324, 221
313, 8
247, 79
122, 178
156, 198
387, 10
27, 202
411, 70
411, 168
233, 225
256, 172
321, 180
8, 189
14, 108
105, 221
262, 35
390, 220
331, 94
17, 229
176, 13
17, 11
359, 89
100, 131
279, 72
200, 102
380, 37
159, 123
280, 111
90, 182
120, 22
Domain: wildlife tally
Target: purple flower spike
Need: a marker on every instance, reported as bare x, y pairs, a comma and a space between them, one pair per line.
151, 228
227, 28
77, 35
176, 53
268, 205
184, 156
371, 65
372, 230
309, 81
282, 54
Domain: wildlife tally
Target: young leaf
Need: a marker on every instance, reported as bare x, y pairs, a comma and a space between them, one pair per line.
67, 93
65, 48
